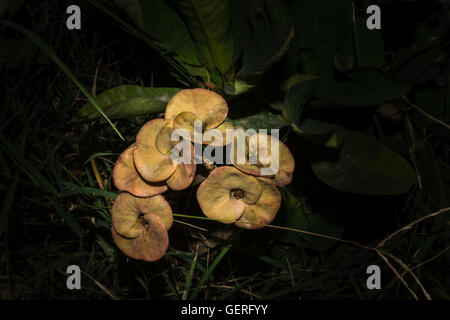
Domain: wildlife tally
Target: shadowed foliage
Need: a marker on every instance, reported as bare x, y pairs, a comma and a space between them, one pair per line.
364, 113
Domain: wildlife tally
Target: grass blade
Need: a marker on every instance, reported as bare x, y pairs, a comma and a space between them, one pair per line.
210, 270
189, 279
49, 51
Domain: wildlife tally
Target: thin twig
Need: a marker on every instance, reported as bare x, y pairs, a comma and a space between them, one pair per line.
429, 116
94, 84
290, 272
412, 149
190, 225
377, 249
399, 261
397, 274
429, 260
410, 225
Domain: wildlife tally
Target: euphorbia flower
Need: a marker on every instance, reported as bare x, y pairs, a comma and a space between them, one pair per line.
126, 178
255, 146
139, 226
190, 105
230, 195
152, 156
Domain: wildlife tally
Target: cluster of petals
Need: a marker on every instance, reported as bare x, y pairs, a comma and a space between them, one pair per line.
242, 194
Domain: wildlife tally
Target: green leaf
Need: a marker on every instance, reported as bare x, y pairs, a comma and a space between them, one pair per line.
367, 51
327, 134
132, 9
296, 99
262, 120
365, 87
239, 10
164, 24
168, 32
292, 211
287, 84
320, 30
265, 37
411, 64
128, 100
363, 165
209, 23
322, 25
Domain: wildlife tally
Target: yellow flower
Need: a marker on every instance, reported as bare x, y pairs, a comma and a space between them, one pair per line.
139, 226
230, 195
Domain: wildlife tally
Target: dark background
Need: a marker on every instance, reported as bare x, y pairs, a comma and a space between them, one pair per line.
41, 150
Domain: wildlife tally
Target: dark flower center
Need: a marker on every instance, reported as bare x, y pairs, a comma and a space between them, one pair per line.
142, 220
237, 194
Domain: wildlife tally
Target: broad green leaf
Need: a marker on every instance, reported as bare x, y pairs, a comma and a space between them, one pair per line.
135, 107
364, 87
327, 134
287, 84
309, 61
411, 64
417, 63
262, 120
293, 211
209, 23
363, 165
322, 25
165, 26
133, 9
239, 10
128, 100
296, 99
163, 23
265, 37
320, 30
367, 51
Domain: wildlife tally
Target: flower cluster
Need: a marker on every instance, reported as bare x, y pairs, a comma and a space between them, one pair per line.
245, 194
